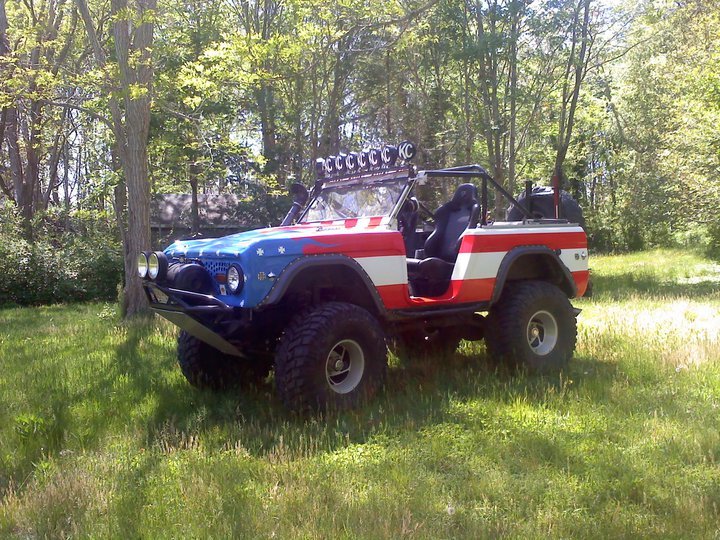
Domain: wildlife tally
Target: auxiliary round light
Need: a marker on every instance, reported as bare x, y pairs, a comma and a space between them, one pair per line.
157, 266
374, 157
330, 165
142, 265
320, 167
389, 155
351, 161
235, 279
340, 162
406, 150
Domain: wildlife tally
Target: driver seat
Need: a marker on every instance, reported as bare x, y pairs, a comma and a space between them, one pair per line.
430, 276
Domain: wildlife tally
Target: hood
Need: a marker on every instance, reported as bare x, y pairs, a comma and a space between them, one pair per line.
234, 245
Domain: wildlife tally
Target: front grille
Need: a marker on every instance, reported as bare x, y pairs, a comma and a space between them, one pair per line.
215, 266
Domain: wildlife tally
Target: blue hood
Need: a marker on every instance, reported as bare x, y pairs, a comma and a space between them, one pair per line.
262, 255
270, 240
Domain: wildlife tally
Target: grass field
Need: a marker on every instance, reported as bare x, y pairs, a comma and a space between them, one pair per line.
100, 436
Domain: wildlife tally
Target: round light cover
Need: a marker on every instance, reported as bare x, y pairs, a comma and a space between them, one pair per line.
340, 163
234, 279
142, 265
389, 155
330, 165
320, 167
406, 150
351, 161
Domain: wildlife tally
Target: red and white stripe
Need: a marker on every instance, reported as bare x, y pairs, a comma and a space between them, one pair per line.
381, 253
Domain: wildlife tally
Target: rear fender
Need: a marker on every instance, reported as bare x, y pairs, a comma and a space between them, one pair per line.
534, 262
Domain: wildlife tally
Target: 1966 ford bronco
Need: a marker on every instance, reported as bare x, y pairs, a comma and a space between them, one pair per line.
360, 263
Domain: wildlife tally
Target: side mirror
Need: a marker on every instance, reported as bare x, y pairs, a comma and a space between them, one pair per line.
299, 193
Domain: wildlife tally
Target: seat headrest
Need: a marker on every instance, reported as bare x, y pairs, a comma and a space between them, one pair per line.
466, 195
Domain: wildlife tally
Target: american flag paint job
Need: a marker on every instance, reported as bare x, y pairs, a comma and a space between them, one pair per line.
378, 247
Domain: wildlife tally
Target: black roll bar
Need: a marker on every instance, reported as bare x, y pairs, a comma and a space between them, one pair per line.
478, 171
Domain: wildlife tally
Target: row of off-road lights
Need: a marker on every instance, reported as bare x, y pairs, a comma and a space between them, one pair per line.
367, 160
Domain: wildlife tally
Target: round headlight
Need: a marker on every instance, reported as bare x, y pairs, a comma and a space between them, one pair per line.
157, 266
142, 265
153, 266
235, 279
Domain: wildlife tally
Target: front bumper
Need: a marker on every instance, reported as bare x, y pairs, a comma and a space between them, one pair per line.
187, 301
188, 310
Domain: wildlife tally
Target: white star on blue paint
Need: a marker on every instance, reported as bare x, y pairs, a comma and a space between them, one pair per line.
260, 251
281, 249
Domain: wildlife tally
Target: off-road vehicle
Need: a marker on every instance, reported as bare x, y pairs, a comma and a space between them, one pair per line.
358, 264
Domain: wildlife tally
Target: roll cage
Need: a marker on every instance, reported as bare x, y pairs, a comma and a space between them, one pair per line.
412, 176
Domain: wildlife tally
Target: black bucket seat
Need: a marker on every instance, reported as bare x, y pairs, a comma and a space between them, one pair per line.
430, 275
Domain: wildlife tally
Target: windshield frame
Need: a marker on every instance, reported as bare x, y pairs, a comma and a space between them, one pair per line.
364, 183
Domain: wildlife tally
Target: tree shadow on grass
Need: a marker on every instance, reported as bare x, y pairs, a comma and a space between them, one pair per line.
416, 395
622, 285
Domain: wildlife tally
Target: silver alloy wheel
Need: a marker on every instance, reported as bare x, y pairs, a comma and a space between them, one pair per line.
542, 333
344, 366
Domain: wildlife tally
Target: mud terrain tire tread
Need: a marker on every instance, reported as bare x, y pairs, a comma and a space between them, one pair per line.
207, 368
302, 354
507, 323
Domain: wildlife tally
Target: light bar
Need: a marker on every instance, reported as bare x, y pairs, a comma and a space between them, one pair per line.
369, 160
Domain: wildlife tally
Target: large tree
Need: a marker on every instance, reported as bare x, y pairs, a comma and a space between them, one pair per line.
128, 83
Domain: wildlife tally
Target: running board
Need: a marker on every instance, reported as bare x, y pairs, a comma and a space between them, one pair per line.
203, 333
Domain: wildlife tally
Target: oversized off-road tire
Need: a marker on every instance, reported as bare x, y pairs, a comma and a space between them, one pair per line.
413, 344
332, 356
533, 326
206, 367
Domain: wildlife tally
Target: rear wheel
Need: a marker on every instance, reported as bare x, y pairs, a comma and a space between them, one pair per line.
330, 357
206, 367
532, 326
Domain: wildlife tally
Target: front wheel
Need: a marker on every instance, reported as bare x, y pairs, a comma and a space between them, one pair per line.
207, 368
532, 326
330, 357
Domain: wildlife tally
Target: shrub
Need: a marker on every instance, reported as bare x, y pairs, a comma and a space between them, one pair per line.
72, 258
713, 246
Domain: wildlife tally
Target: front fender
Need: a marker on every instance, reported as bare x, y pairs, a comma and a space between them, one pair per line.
284, 281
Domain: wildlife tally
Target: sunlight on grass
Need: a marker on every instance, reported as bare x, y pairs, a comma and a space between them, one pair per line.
100, 436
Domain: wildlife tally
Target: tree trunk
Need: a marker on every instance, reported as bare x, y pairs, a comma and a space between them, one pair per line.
266, 106
514, 35
133, 54
193, 172
575, 72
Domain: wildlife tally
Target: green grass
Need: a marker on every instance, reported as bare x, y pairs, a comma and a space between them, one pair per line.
100, 436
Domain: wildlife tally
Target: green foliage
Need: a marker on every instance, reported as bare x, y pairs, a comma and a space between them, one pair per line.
245, 95
101, 437
713, 249
78, 258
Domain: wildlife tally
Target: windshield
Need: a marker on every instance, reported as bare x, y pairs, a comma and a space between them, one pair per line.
355, 201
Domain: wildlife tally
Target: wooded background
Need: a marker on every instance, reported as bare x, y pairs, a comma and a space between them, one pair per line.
107, 102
